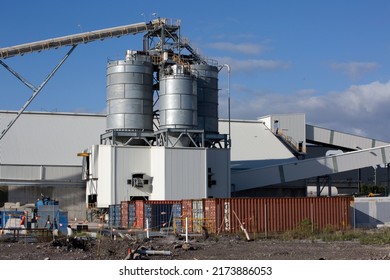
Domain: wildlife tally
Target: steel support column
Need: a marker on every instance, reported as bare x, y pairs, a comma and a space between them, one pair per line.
37, 91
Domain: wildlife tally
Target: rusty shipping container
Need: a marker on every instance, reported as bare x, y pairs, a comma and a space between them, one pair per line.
128, 215
257, 215
161, 213
139, 214
186, 210
271, 215
125, 214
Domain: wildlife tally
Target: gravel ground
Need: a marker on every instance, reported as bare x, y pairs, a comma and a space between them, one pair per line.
228, 247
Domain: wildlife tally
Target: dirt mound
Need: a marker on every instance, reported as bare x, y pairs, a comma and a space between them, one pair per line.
227, 247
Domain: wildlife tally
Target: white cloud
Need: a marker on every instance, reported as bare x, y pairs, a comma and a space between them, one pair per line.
360, 109
354, 69
307, 92
252, 64
238, 48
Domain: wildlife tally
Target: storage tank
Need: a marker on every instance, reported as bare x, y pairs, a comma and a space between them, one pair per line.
178, 98
207, 87
130, 93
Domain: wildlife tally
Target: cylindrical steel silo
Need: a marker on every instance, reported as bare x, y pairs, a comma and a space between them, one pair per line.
207, 79
178, 98
130, 94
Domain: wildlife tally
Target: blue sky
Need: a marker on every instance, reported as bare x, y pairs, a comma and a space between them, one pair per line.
327, 59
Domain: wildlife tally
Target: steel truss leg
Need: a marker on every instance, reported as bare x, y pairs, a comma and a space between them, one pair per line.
36, 90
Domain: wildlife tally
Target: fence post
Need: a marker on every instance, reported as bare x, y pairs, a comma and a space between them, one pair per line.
147, 228
312, 216
186, 229
265, 219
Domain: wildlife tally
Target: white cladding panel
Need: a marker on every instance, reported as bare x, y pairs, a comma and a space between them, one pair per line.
128, 161
35, 172
104, 183
116, 165
178, 173
158, 173
48, 138
185, 173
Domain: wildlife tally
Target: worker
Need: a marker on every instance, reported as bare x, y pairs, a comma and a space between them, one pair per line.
23, 220
38, 203
69, 234
54, 227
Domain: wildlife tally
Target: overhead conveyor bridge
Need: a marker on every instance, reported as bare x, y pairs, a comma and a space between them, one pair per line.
154, 26
80, 38
303, 169
332, 138
362, 152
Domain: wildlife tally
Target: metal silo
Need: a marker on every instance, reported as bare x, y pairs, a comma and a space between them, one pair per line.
207, 79
178, 98
130, 94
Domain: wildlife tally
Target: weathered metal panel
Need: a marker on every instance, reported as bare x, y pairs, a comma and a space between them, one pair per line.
271, 215
256, 215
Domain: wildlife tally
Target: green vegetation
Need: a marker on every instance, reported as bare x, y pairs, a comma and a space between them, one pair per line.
369, 190
306, 230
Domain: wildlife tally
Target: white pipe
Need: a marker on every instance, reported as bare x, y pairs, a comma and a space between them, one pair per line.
186, 229
228, 68
147, 228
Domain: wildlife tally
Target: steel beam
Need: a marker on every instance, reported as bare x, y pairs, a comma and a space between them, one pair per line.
75, 39
37, 91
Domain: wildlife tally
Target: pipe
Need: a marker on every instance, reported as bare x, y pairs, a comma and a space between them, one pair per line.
153, 252
229, 144
147, 228
229, 140
186, 229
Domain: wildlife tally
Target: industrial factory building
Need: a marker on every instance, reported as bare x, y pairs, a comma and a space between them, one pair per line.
51, 163
162, 139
